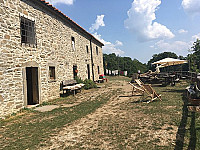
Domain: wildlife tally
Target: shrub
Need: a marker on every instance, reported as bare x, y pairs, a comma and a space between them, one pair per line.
89, 84
78, 80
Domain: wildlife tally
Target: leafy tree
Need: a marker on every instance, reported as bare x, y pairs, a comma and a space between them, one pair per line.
157, 57
194, 58
113, 62
196, 46
139, 66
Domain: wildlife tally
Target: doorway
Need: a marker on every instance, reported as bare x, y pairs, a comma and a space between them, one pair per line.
75, 71
93, 72
32, 85
88, 70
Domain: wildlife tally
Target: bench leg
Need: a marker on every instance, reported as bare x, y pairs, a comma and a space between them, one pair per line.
74, 92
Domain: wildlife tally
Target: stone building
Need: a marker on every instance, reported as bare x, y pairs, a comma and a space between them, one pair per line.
39, 48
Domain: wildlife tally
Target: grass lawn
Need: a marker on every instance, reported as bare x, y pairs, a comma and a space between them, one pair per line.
135, 125
30, 128
173, 111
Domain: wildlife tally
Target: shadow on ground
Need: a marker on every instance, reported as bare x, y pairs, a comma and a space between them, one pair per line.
175, 91
181, 133
68, 93
130, 95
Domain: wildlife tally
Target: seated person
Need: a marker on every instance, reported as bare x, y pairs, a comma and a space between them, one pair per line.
196, 88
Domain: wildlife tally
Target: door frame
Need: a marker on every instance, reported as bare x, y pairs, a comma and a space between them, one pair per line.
25, 65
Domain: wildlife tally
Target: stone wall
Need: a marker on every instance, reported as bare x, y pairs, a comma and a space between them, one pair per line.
54, 48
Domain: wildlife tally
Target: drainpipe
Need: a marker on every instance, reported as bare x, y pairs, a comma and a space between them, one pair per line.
92, 59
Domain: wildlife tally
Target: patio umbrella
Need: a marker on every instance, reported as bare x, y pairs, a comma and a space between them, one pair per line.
169, 62
158, 68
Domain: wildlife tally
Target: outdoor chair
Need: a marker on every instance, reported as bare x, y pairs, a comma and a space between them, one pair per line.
148, 90
136, 89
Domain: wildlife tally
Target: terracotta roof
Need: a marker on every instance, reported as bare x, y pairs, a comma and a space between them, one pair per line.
56, 10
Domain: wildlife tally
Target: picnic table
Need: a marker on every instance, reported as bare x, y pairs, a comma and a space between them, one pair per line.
169, 79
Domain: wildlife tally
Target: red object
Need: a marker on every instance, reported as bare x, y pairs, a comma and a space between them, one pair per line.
102, 76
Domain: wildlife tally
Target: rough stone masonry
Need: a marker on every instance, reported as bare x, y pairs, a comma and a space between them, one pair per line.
35, 59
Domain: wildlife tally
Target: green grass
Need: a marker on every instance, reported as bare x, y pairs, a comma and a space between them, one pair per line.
31, 128
118, 78
27, 131
172, 110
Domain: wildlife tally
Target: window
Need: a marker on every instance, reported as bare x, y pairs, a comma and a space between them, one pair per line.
97, 50
52, 72
73, 43
87, 49
27, 31
98, 69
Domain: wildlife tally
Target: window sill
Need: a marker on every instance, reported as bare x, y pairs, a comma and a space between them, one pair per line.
29, 45
52, 80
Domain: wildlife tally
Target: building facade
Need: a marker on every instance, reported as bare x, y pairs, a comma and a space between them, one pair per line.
39, 48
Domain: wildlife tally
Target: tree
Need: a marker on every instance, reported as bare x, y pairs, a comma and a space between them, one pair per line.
196, 46
194, 58
113, 62
157, 57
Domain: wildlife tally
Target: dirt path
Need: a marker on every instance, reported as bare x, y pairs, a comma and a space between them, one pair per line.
116, 125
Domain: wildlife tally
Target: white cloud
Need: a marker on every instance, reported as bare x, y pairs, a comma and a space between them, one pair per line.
195, 37
98, 36
98, 23
119, 43
178, 47
67, 2
110, 47
141, 21
182, 31
151, 46
192, 7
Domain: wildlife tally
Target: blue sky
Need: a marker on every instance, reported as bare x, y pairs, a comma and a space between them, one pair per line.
137, 28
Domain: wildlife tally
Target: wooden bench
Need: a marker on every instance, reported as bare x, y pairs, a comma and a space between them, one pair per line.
71, 85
